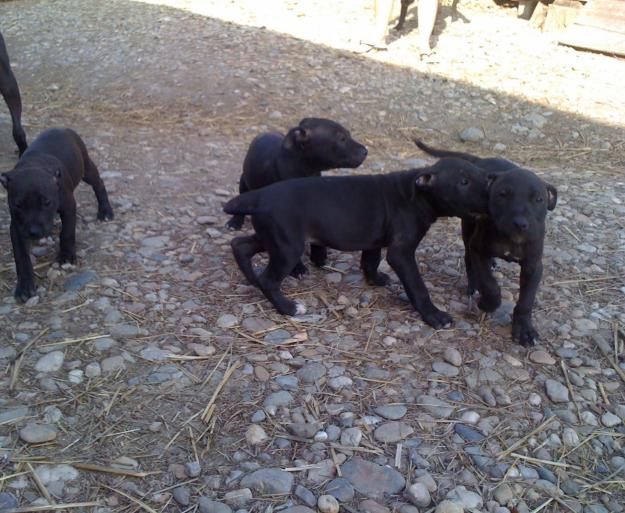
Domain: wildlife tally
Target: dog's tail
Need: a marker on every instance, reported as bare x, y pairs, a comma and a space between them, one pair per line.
244, 204
445, 153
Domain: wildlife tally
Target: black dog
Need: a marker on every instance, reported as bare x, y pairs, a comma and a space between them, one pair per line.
11, 94
42, 184
315, 145
359, 213
514, 230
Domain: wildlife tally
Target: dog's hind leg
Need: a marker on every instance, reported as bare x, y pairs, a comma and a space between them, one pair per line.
92, 177
369, 262
318, 255
243, 249
11, 94
280, 265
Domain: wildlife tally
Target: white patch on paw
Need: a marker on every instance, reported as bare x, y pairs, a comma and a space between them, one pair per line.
300, 309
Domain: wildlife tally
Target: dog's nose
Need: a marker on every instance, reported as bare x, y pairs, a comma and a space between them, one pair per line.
520, 223
364, 151
35, 232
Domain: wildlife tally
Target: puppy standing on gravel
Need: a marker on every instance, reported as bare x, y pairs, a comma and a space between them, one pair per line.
11, 94
357, 213
315, 145
42, 184
514, 231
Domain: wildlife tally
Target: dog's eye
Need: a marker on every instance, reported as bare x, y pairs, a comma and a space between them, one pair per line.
464, 181
504, 194
539, 199
45, 202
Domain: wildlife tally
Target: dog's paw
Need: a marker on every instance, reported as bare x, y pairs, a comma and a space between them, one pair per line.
299, 270
66, 257
489, 302
378, 279
300, 309
105, 213
24, 291
438, 319
235, 224
523, 332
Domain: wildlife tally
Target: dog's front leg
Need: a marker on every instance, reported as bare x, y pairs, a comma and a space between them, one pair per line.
67, 253
402, 260
482, 269
26, 287
523, 331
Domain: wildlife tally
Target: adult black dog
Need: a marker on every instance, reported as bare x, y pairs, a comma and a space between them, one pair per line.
356, 213
514, 230
315, 145
11, 95
42, 184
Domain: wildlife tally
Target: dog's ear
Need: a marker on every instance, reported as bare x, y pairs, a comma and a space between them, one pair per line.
552, 196
425, 180
4, 180
490, 179
301, 136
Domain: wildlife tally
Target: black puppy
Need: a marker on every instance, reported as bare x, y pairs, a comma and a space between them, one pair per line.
315, 145
11, 94
42, 184
514, 230
359, 213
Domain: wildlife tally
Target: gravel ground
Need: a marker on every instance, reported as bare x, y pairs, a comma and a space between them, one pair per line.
150, 377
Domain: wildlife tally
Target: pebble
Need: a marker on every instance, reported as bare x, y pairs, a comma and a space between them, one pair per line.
50, 362
503, 494
392, 432
93, 370
453, 356
327, 504
62, 472
419, 495
608, 419
470, 417
8, 501
112, 364
255, 435
269, 481
193, 468
238, 498
34, 433
469, 434
391, 412
340, 488
305, 495
435, 406
465, 498
298, 509
351, 437
445, 369
448, 506
542, 357
182, 495
207, 505
340, 382
556, 391
471, 134
371, 479
227, 321
371, 506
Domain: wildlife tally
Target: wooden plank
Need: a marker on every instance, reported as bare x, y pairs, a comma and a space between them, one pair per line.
600, 26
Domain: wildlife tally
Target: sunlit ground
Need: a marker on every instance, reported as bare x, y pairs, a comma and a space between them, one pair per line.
495, 51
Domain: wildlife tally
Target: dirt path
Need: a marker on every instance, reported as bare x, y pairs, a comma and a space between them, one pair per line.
135, 341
